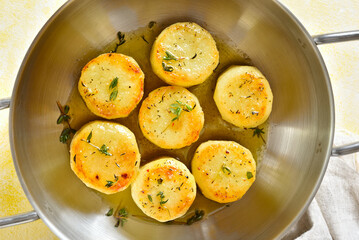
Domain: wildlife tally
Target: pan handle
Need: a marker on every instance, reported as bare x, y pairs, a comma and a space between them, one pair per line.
4, 103
19, 218
334, 38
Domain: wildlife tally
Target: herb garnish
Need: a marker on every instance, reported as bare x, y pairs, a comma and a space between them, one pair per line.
144, 39
64, 117
88, 139
161, 198
151, 24
65, 134
110, 212
167, 68
249, 175
226, 169
258, 132
114, 88
176, 108
149, 197
121, 217
103, 149
169, 56
109, 183
198, 215
121, 40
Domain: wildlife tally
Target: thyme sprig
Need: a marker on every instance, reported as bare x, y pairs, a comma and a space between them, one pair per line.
169, 56
121, 217
103, 149
64, 118
162, 197
258, 132
177, 108
110, 183
198, 215
121, 40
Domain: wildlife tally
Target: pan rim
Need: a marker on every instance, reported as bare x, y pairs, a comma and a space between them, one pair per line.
332, 118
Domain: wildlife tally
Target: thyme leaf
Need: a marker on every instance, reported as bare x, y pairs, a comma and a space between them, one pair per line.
66, 109
198, 215
114, 88
88, 139
109, 183
167, 68
149, 197
121, 217
63, 118
151, 24
110, 212
65, 135
113, 95
104, 150
162, 197
113, 83
249, 175
226, 169
258, 132
169, 56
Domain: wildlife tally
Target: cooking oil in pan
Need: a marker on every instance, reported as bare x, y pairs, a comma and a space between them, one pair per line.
138, 45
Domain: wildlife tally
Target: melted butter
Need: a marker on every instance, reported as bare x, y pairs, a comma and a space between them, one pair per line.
138, 45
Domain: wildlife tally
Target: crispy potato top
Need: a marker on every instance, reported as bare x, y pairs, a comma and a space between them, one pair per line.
111, 85
224, 170
171, 117
105, 156
243, 96
164, 189
184, 54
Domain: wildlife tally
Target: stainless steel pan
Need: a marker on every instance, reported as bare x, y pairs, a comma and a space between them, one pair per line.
299, 143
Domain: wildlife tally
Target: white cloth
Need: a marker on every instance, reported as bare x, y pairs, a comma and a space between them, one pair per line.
334, 212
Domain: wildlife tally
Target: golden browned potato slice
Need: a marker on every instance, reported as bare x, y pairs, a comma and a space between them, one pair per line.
164, 189
171, 117
105, 156
243, 96
184, 54
111, 85
224, 170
